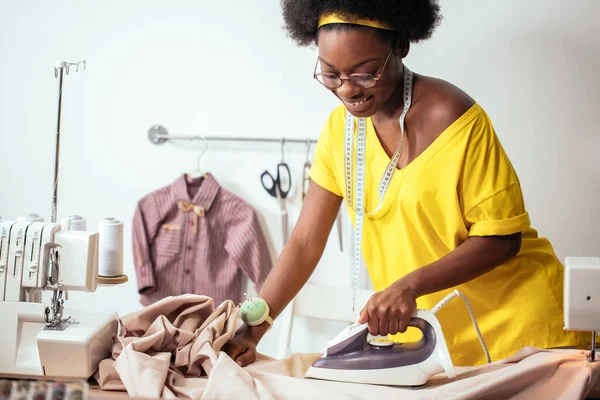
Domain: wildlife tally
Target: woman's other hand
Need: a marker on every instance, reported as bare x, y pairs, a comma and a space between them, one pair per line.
242, 348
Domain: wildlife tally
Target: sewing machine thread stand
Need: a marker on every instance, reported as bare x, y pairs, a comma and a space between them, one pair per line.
59, 73
57, 301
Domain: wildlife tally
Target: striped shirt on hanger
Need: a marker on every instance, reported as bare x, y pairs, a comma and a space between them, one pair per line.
193, 236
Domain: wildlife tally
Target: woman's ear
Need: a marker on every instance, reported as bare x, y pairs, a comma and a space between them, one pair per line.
402, 48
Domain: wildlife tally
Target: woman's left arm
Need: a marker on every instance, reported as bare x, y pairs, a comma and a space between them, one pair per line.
476, 256
389, 311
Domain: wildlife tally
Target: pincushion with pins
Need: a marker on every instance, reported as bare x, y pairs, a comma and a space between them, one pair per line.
254, 311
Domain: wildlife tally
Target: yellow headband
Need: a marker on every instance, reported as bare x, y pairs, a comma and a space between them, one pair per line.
337, 19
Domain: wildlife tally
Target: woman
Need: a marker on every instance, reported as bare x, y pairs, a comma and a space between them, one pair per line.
452, 214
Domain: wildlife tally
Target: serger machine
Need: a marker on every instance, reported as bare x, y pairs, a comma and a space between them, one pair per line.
54, 341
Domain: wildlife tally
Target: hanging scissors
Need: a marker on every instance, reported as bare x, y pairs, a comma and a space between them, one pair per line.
276, 187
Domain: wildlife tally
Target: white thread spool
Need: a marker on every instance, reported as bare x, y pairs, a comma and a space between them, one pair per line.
65, 224
30, 217
78, 223
110, 257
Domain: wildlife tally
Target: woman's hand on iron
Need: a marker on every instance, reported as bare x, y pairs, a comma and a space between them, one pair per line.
389, 311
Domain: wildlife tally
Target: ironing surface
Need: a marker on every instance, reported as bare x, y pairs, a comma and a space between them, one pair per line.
529, 374
193, 329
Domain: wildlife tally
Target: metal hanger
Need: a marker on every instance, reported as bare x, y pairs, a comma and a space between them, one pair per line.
198, 171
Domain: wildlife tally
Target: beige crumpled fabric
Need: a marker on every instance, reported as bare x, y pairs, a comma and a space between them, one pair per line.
162, 346
531, 373
171, 349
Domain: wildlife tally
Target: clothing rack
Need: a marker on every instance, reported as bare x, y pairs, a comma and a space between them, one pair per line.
158, 135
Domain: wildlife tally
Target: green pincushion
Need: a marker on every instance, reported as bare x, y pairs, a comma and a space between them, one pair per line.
254, 311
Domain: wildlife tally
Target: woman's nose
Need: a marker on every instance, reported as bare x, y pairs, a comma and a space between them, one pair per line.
348, 90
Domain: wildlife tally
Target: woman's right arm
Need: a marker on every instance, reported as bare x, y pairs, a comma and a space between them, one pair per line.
294, 266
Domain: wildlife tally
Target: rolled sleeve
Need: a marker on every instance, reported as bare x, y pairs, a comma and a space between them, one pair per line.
499, 215
324, 180
489, 189
322, 171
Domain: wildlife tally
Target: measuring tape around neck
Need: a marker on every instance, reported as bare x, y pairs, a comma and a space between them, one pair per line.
360, 171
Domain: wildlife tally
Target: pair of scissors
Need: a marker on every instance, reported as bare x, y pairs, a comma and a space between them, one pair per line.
276, 187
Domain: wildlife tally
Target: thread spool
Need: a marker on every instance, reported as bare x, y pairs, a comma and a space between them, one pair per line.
110, 257
78, 223
65, 224
30, 217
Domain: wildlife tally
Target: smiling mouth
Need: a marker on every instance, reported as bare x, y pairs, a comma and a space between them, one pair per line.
358, 103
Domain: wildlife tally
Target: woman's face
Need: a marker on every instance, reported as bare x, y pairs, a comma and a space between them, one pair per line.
351, 51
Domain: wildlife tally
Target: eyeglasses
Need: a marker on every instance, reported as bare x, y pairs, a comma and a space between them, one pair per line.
334, 81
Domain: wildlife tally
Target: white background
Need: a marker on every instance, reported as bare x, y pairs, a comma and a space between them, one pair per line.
227, 68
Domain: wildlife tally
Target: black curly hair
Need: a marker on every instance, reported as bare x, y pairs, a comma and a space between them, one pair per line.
412, 20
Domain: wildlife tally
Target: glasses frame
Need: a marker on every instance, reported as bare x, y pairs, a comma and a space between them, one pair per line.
375, 77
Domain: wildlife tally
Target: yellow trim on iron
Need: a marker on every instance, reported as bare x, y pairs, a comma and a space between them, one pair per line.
338, 19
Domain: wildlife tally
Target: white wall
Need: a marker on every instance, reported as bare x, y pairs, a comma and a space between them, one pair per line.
201, 67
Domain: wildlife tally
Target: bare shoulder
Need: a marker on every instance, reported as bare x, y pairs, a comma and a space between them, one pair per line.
438, 104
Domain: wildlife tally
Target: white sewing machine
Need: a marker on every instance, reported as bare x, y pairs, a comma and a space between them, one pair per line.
49, 342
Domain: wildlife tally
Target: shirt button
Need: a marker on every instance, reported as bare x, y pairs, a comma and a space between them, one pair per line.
189, 247
187, 271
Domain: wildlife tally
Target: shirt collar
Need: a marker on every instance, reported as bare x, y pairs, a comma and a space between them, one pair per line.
206, 192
